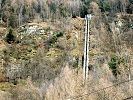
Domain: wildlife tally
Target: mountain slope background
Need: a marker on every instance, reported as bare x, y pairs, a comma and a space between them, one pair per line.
41, 49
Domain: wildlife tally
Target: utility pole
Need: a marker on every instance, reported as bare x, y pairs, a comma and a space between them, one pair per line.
86, 46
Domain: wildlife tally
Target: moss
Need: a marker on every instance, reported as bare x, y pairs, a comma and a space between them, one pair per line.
22, 82
53, 52
5, 86
92, 52
75, 52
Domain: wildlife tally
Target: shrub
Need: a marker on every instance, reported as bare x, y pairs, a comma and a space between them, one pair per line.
63, 10
75, 63
53, 8
58, 34
5, 86
113, 65
12, 21
10, 37
104, 6
84, 8
54, 38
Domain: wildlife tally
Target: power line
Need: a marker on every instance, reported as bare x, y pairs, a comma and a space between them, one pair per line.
128, 98
96, 91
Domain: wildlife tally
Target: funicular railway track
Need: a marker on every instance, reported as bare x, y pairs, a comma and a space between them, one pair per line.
86, 46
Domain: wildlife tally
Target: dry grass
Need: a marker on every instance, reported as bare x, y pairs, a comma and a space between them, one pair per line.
2, 45
5, 95
70, 84
67, 84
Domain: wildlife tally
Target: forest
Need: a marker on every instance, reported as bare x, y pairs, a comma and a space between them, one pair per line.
17, 12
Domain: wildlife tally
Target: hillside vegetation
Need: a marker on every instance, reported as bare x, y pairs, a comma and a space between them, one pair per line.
42, 47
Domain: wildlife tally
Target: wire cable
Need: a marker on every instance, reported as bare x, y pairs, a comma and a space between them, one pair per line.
96, 91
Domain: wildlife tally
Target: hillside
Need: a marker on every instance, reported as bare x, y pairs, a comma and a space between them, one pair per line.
42, 50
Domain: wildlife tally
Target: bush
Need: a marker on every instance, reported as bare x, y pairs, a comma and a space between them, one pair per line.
53, 8
75, 63
10, 37
104, 6
54, 38
58, 34
13, 21
84, 8
5, 86
63, 10
113, 65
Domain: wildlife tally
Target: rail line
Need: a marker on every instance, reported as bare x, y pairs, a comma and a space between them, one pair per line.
86, 46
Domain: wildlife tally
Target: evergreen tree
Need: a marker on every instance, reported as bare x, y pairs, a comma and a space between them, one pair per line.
10, 38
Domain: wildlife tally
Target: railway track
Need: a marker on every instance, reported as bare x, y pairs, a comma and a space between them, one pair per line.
86, 46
